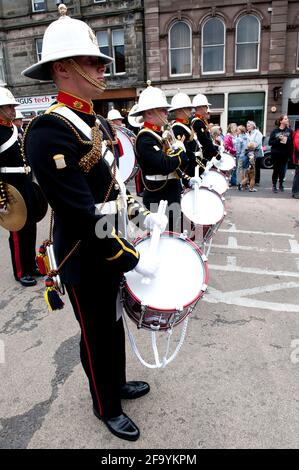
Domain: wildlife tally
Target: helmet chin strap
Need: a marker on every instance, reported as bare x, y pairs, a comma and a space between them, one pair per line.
99, 84
159, 116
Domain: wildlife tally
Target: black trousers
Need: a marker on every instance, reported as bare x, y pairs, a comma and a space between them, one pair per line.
279, 166
295, 186
257, 170
22, 249
102, 345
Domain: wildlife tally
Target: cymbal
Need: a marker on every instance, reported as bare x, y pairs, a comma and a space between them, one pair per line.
15, 217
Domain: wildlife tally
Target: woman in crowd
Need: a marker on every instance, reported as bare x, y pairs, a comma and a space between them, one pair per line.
281, 141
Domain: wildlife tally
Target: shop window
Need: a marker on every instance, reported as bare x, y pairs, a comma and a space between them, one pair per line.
180, 47
38, 46
247, 44
213, 46
246, 106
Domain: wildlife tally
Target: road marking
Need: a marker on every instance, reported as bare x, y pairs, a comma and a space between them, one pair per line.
238, 298
233, 229
294, 246
233, 245
262, 272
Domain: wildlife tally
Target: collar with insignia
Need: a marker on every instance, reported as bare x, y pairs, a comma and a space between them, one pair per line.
74, 102
153, 127
200, 116
182, 120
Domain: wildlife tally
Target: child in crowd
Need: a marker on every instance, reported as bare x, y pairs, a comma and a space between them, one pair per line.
249, 176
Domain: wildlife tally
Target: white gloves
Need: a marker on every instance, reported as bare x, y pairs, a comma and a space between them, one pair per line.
153, 219
147, 266
195, 180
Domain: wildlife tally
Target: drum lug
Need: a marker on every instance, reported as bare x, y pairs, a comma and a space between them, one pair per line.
184, 235
143, 312
175, 316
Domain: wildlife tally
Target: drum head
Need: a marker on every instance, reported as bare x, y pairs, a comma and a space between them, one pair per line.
226, 163
180, 278
127, 162
206, 208
215, 180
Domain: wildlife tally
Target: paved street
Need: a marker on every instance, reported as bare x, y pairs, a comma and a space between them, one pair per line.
235, 381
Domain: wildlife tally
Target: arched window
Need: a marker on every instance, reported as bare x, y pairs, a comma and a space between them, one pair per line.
180, 49
247, 43
213, 43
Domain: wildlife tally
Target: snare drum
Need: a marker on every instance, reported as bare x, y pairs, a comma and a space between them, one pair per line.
127, 162
204, 207
172, 294
216, 180
226, 163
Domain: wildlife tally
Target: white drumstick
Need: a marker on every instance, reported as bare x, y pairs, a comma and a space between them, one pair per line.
196, 190
155, 238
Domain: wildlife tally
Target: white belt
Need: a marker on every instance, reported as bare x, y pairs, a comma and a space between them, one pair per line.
109, 207
171, 176
15, 169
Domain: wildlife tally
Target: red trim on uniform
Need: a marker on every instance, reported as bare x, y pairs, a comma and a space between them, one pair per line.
88, 350
183, 121
17, 257
5, 122
120, 147
75, 102
200, 116
151, 126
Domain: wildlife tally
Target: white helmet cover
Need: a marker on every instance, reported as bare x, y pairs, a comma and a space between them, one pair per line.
200, 100
150, 98
180, 100
6, 97
114, 114
65, 38
19, 115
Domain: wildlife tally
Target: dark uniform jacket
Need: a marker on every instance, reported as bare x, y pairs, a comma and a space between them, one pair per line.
181, 129
278, 149
203, 135
154, 159
73, 193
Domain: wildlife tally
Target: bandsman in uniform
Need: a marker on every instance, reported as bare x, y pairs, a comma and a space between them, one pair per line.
182, 107
161, 158
115, 117
81, 181
200, 126
15, 171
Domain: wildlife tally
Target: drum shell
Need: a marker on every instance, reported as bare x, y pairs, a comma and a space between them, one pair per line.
156, 318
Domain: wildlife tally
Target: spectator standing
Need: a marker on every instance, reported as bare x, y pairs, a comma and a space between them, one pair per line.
295, 186
281, 141
255, 135
229, 146
242, 159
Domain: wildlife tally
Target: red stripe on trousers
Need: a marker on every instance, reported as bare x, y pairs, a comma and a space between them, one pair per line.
17, 257
88, 351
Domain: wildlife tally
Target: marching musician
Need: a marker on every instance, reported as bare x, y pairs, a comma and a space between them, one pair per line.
15, 171
200, 126
115, 117
182, 107
80, 179
162, 159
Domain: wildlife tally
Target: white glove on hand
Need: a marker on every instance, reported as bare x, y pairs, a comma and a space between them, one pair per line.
179, 144
147, 266
152, 219
195, 180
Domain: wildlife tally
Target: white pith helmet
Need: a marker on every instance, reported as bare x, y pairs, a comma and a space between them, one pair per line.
150, 98
64, 38
200, 100
180, 100
134, 121
19, 115
114, 114
6, 97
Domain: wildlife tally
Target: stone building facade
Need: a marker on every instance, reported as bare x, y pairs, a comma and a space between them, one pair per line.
266, 31
118, 25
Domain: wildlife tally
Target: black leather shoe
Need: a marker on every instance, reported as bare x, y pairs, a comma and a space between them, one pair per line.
134, 389
121, 426
27, 281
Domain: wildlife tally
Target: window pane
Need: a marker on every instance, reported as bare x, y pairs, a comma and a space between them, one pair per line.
213, 32
118, 37
246, 106
248, 29
213, 59
247, 55
217, 101
119, 55
180, 61
38, 5
180, 35
38, 45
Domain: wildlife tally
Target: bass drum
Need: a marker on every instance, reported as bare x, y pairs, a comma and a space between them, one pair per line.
216, 180
172, 294
127, 162
226, 163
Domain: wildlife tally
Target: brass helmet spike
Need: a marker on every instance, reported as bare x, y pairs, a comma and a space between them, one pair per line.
149, 82
62, 10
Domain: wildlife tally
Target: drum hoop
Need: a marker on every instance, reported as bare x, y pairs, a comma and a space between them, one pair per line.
212, 191
201, 292
135, 165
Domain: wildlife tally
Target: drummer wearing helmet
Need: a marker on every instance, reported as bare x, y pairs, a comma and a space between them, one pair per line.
80, 179
161, 158
115, 117
15, 171
200, 126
